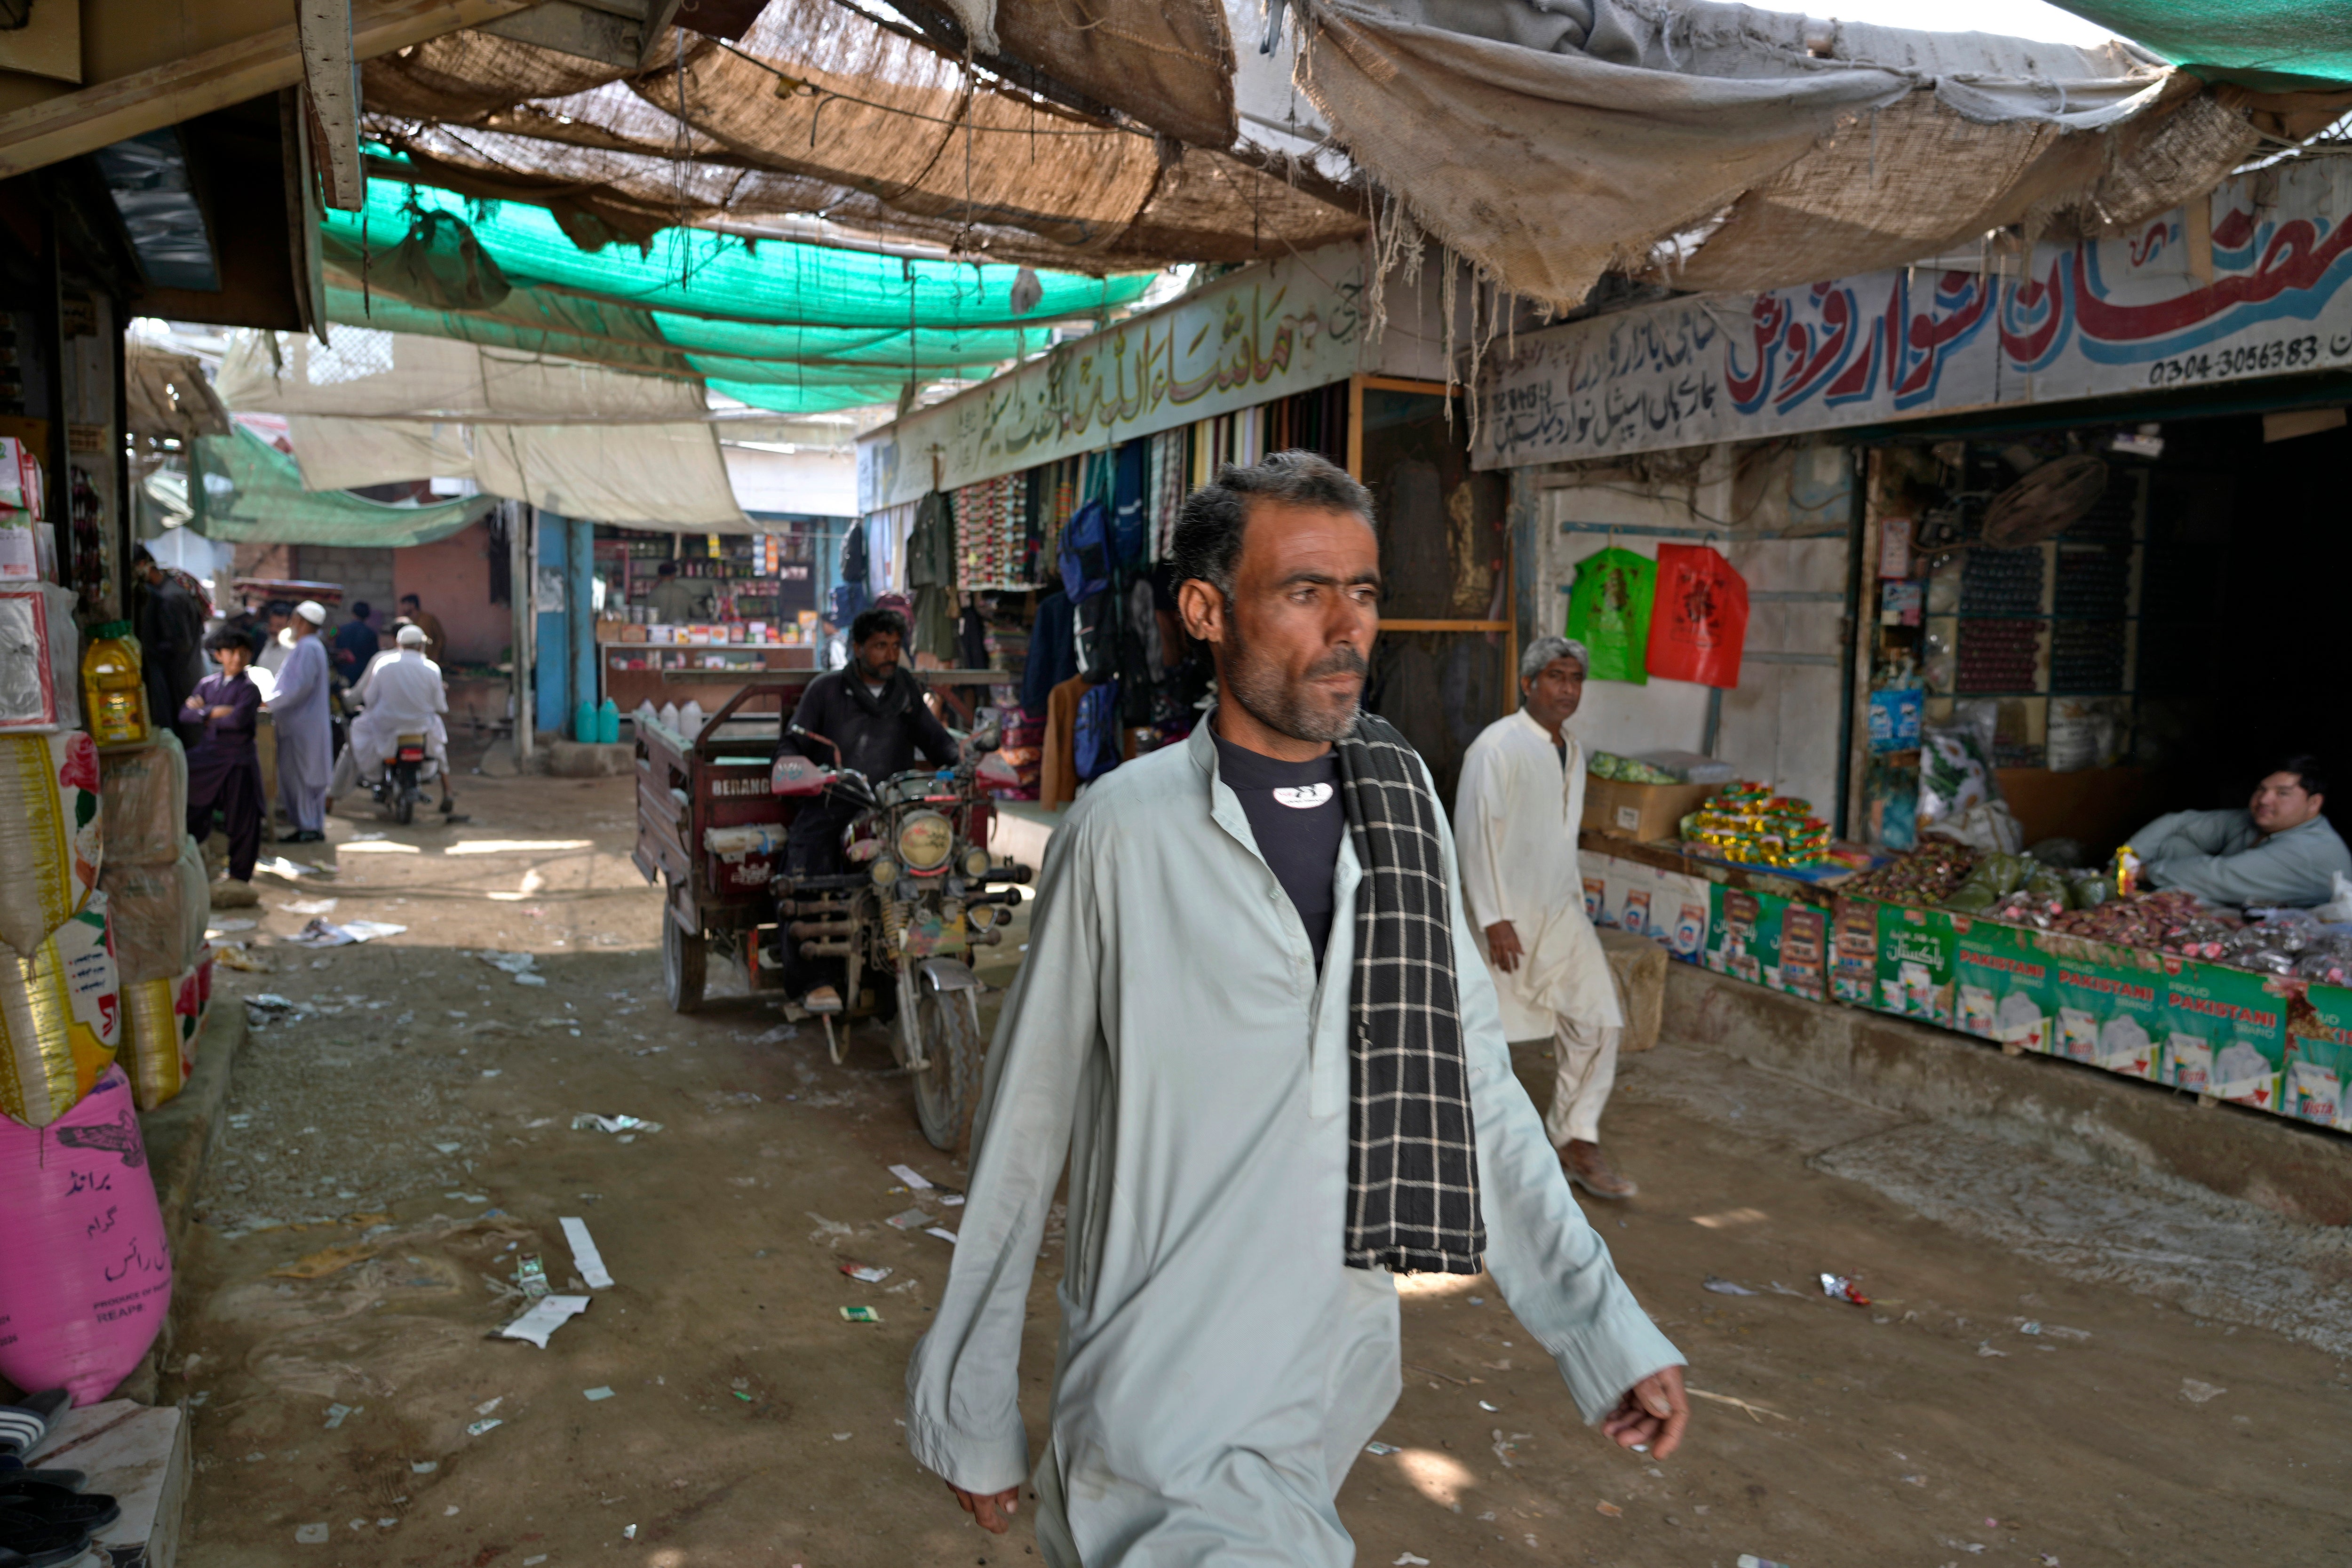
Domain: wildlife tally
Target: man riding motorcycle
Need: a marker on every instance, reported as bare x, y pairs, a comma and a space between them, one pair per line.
402, 695
873, 713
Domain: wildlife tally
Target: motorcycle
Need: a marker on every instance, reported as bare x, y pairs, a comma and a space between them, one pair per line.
401, 778
925, 893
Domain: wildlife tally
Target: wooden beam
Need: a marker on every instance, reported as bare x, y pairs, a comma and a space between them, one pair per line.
79, 122
330, 74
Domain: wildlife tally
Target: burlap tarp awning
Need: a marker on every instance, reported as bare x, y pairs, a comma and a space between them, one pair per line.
1718, 147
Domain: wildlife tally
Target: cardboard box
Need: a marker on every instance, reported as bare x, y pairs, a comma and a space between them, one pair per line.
2001, 984
2110, 1009
1917, 951
1642, 813
2228, 1032
612, 630
2319, 1059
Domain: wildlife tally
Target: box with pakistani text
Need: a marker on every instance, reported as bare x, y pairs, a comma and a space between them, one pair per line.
1743, 934
1915, 952
1854, 948
2001, 983
2111, 1008
2225, 1033
2319, 1059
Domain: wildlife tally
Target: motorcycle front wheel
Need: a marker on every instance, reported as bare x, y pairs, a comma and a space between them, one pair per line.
946, 1024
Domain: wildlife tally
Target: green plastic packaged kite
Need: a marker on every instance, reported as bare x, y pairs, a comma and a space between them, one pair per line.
1609, 613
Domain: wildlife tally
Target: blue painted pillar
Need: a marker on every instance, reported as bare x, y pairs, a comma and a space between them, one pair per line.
553, 663
580, 599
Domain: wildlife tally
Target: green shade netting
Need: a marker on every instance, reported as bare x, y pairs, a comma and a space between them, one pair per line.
735, 350
790, 328
2268, 44
696, 272
270, 505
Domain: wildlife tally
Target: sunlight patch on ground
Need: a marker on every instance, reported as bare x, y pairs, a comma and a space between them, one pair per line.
516, 845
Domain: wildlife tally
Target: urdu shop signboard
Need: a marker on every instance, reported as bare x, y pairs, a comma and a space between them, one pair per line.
2149, 310
1264, 333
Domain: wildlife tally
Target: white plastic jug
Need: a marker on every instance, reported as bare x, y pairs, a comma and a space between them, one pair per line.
669, 717
690, 719
645, 714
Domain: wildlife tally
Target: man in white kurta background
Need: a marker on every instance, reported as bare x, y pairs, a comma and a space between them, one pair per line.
306, 736
401, 693
1516, 815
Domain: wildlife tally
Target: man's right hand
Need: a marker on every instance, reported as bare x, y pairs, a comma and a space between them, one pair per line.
1503, 946
994, 1510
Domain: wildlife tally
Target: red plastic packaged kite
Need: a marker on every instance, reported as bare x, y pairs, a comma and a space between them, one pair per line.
1698, 618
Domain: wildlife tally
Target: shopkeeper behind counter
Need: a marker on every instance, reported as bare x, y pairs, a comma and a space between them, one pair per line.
2279, 851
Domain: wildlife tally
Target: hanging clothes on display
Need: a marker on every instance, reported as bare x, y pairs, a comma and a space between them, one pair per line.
931, 577
1057, 766
1052, 651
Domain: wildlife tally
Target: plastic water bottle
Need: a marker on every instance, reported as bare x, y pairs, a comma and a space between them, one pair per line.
669, 717
583, 720
608, 722
690, 719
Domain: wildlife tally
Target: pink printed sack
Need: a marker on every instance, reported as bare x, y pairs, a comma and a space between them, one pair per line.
85, 1274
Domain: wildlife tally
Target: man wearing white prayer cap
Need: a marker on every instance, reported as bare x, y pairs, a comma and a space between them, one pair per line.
401, 693
1516, 815
306, 738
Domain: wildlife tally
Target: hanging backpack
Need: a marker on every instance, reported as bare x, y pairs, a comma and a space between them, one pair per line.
1087, 553
1097, 741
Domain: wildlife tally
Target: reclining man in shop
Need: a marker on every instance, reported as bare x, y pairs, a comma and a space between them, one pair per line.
2278, 852
871, 717
1516, 815
1255, 1026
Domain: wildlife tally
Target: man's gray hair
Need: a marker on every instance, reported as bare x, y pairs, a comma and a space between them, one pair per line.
1208, 541
1543, 651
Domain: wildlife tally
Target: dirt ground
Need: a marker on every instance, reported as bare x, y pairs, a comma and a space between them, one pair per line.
2054, 1368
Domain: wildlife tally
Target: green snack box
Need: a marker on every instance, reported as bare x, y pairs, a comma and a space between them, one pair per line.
1805, 951
1915, 950
1743, 934
2319, 1059
2227, 1033
2001, 983
2111, 1008
1853, 971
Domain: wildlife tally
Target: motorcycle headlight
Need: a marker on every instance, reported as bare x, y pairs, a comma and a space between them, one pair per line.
976, 864
884, 871
925, 840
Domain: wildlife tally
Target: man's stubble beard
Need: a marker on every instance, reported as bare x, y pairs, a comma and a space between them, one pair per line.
1260, 688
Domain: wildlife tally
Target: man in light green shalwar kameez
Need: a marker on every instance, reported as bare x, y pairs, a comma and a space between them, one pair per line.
1178, 1035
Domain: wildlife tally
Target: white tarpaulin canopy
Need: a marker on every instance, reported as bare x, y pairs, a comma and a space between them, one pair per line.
374, 407
1716, 146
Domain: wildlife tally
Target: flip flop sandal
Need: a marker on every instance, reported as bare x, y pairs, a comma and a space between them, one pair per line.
44, 1507
22, 1426
42, 1548
71, 1480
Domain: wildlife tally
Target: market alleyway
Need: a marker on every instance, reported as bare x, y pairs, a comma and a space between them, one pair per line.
2056, 1367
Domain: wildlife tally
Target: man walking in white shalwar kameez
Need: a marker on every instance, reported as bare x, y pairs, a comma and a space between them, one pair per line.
1516, 815
1256, 1027
306, 733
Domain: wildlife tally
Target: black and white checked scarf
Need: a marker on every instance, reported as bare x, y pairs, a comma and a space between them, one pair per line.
1413, 1154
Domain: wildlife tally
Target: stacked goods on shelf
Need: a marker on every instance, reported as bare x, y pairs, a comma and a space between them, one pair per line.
38, 694
161, 1019
59, 1016
143, 800
59, 991
159, 901
51, 838
1748, 822
85, 1267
